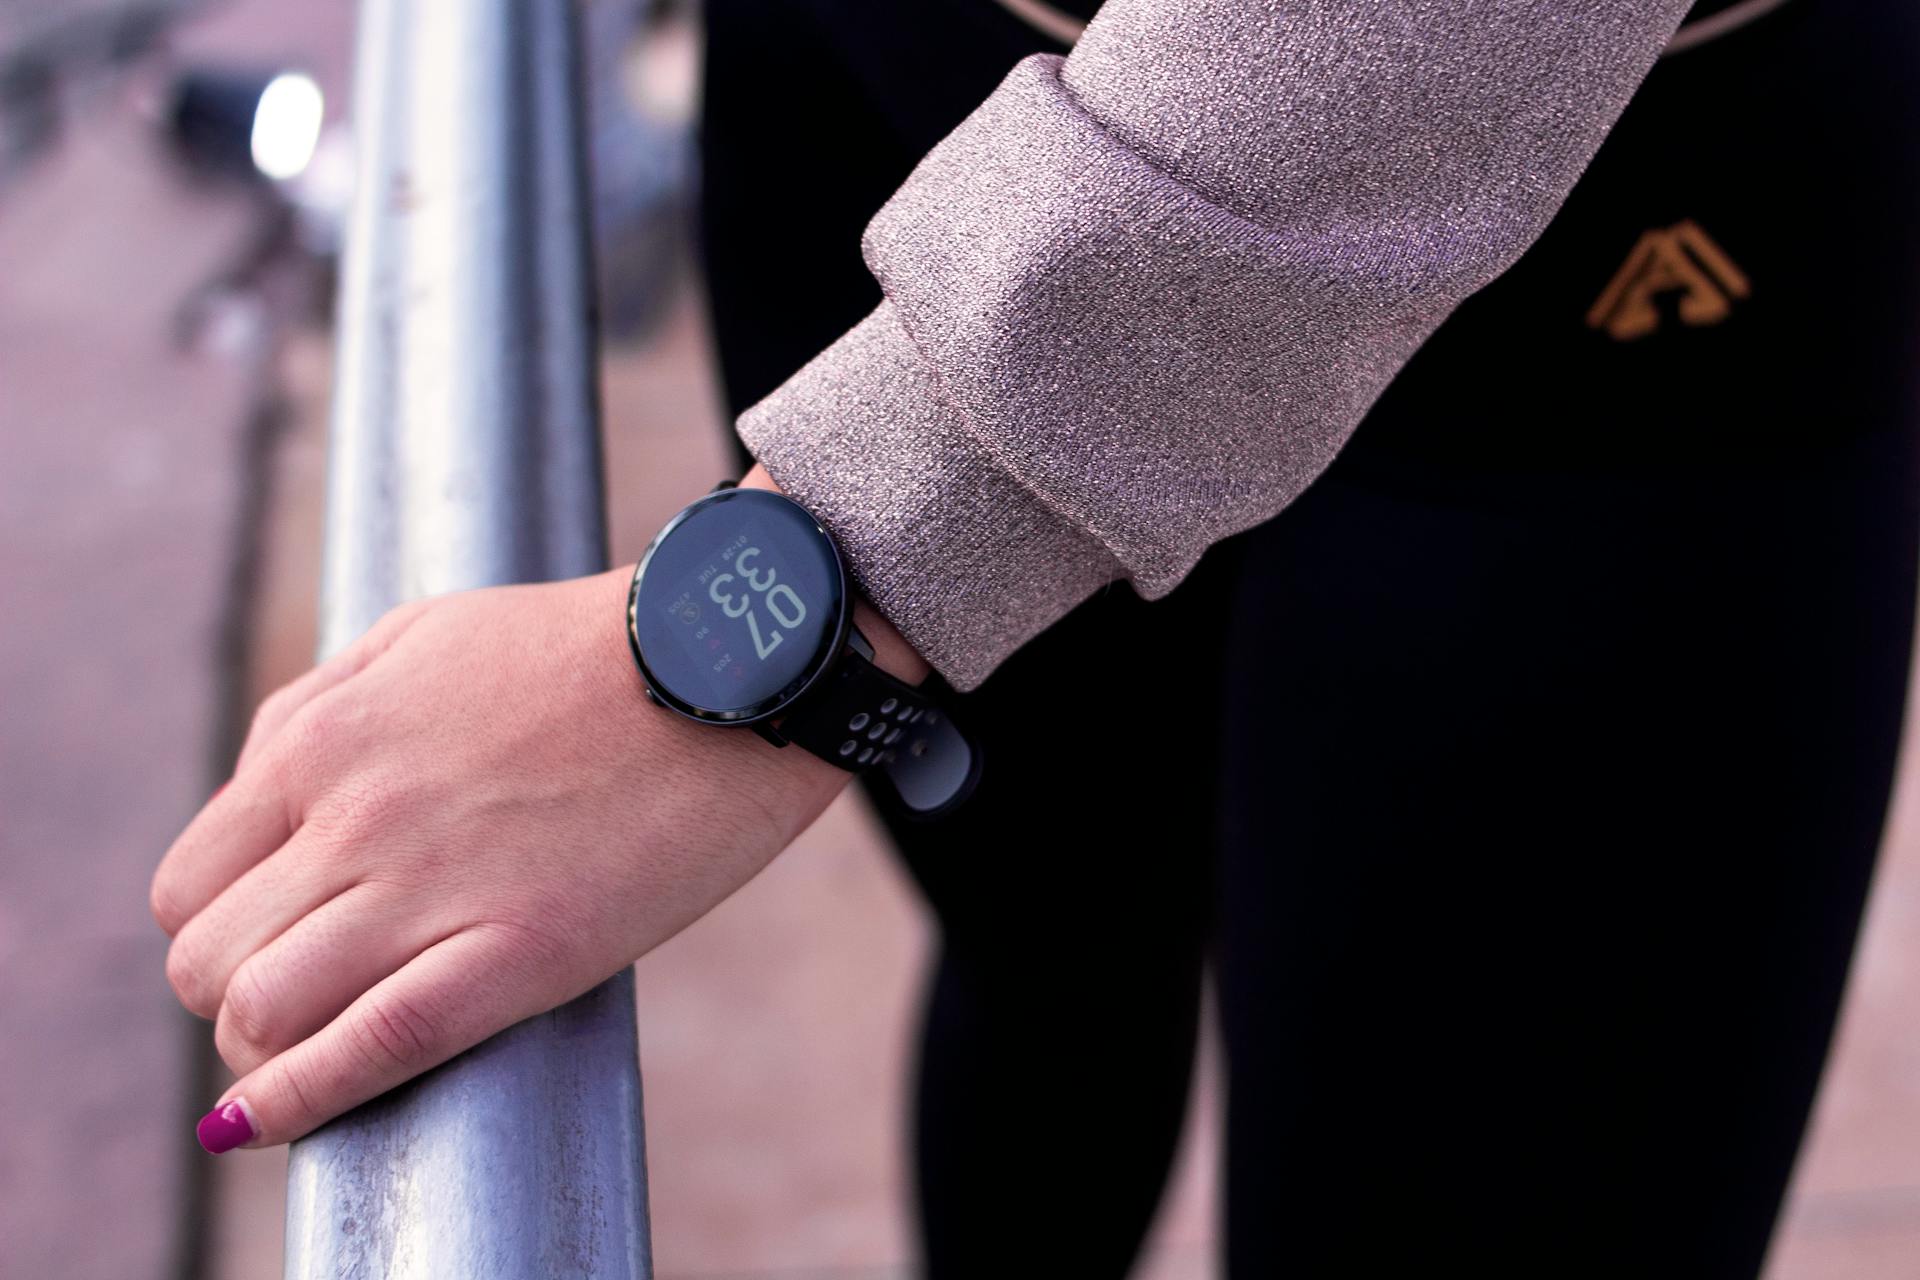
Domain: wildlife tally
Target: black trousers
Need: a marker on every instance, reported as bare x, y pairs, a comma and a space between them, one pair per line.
1520, 785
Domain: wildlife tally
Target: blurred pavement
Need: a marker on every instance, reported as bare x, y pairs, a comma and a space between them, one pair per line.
118, 501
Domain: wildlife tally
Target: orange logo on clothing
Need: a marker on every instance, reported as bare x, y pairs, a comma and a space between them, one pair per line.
1682, 259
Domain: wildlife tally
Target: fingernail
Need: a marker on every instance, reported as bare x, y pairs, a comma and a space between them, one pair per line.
225, 1127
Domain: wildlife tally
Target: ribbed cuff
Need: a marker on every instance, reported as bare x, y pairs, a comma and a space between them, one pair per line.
955, 552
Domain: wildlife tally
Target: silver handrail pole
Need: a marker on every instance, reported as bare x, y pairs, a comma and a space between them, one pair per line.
465, 452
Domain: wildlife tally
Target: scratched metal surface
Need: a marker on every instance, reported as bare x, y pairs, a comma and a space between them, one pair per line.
465, 452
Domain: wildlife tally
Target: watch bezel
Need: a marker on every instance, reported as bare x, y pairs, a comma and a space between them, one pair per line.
833, 639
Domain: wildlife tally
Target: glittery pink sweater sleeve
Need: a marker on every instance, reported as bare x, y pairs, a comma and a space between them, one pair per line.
1138, 300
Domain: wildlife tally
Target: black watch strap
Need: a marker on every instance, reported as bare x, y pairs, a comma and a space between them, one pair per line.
865, 721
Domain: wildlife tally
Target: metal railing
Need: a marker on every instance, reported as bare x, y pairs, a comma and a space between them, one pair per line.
465, 452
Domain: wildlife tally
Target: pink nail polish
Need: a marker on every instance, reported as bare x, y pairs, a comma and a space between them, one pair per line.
225, 1127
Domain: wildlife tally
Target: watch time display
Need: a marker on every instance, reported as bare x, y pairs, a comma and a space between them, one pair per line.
738, 604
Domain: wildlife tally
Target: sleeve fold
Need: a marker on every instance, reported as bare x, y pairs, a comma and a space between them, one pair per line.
1139, 299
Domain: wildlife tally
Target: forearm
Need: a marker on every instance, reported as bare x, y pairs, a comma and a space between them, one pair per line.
1139, 300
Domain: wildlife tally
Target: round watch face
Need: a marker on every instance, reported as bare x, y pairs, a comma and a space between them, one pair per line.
737, 607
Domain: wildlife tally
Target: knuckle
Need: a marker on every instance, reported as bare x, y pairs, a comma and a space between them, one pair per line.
314, 752
313, 730
188, 978
395, 1033
245, 1034
163, 902
272, 710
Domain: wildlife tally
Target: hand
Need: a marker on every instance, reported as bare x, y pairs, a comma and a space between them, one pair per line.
468, 817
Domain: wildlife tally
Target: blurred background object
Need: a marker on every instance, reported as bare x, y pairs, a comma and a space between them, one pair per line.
55, 57
172, 179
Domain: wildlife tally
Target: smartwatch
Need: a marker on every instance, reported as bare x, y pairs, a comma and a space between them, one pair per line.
741, 616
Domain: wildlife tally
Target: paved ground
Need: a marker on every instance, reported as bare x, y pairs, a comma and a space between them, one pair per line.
118, 501
774, 1032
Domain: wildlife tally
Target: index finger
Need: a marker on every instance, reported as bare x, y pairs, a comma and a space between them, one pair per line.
242, 824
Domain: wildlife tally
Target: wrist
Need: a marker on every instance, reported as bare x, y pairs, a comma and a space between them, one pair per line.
891, 652
743, 613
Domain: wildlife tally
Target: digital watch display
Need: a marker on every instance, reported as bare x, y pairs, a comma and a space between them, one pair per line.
738, 606
741, 615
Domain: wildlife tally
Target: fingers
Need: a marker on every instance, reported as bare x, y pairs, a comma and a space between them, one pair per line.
449, 998
281, 705
253, 911
253, 816
305, 977
239, 827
